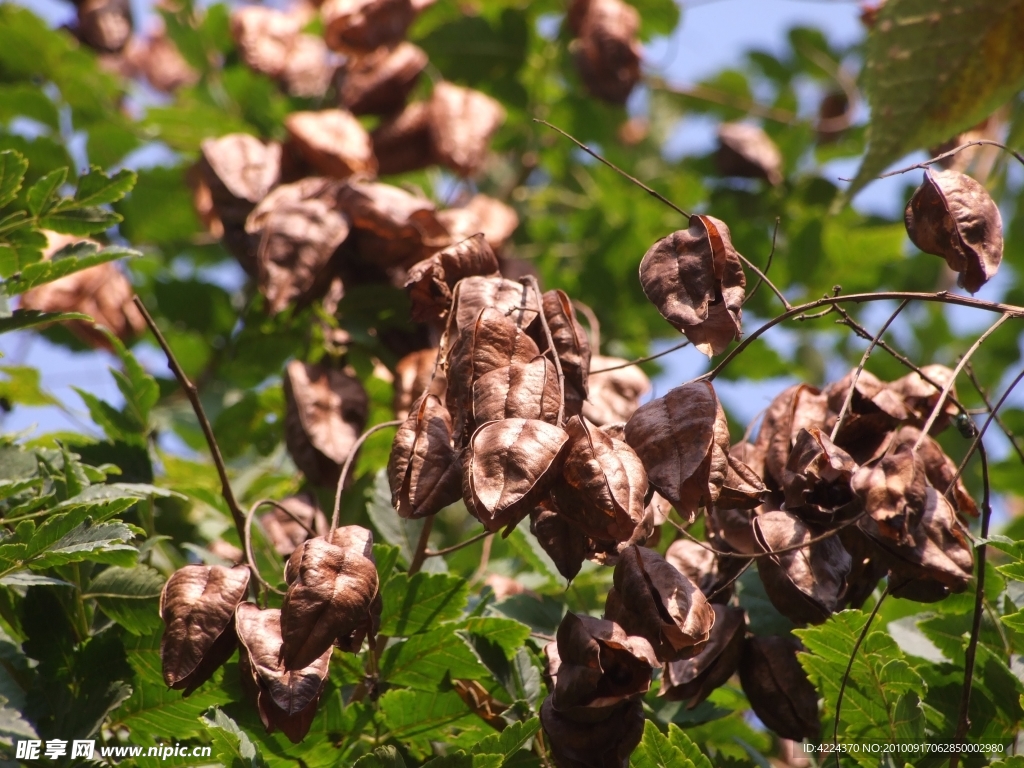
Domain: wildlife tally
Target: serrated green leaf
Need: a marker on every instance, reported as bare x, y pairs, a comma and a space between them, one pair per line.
22, 385
509, 741
231, 745
129, 596
21, 249
104, 543
42, 195
12, 174
96, 188
417, 718
21, 319
115, 423
382, 757
507, 634
683, 743
423, 661
80, 221
420, 603
656, 751
29, 579
462, 760
48, 271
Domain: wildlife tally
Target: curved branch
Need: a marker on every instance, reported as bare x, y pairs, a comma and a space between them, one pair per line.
348, 466
768, 265
457, 547
250, 559
950, 153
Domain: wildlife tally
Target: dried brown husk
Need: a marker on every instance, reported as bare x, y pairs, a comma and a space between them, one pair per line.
953, 216
564, 542
894, 492
332, 586
286, 698
105, 25
734, 529
326, 411
197, 605
695, 561
299, 229
481, 702
614, 395
867, 569
496, 220
100, 291
159, 60
412, 377
423, 469
520, 391
332, 142
308, 70
798, 407
582, 745
404, 142
693, 680
360, 26
874, 410
683, 441
462, 122
939, 469
394, 226
745, 150
805, 584
513, 300
379, 82
598, 667
286, 532
695, 279
834, 116
603, 484
431, 281
742, 488
272, 42
921, 397
571, 343
608, 53
777, 687
816, 479
510, 467
654, 600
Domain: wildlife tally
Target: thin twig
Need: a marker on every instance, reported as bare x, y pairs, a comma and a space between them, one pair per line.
647, 359
349, 460
999, 420
950, 153
290, 514
593, 324
863, 361
730, 582
849, 666
193, 397
250, 558
952, 379
793, 548
963, 721
457, 547
768, 264
532, 281
421, 546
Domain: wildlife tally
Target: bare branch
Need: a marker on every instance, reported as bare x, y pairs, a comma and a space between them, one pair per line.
950, 153
768, 265
457, 547
348, 466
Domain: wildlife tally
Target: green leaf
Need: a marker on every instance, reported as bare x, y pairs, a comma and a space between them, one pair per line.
417, 718
656, 751
42, 195
129, 596
462, 760
21, 319
509, 741
29, 579
80, 221
507, 634
22, 386
691, 751
392, 528
19, 249
104, 543
12, 175
117, 425
382, 757
933, 71
231, 745
48, 271
96, 188
424, 661
421, 603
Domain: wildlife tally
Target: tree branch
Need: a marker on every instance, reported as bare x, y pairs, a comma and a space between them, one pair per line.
348, 466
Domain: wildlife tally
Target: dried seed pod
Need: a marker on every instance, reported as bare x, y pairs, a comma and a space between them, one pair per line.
332, 142
953, 216
101, 291
798, 407
582, 745
412, 377
564, 542
520, 391
431, 281
497, 221
693, 680
364, 25
158, 59
939, 469
286, 698
603, 484
777, 687
299, 230
404, 141
379, 82
265, 37
571, 343
835, 114
308, 70
424, 470
745, 150
325, 413
614, 395
657, 602
805, 584
332, 586
285, 531
920, 397
696, 562
473, 294
816, 480
683, 441
597, 667
462, 122
608, 54
734, 529
742, 487
868, 566
197, 605
510, 467
695, 279
893, 492
394, 226
105, 25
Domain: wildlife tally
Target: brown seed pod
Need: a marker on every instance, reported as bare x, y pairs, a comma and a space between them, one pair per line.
697, 563
424, 470
834, 116
308, 70
603, 484
158, 59
582, 745
805, 584
695, 279
921, 397
412, 377
745, 150
798, 407
493, 218
332, 142
265, 37
564, 542
520, 391
286, 698
614, 395
693, 680
197, 605
777, 687
325, 413
571, 343
394, 226
657, 602
953, 216
379, 82
742, 487
462, 122
431, 281
683, 441
816, 480
359, 26
404, 142
286, 532
299, 229
939, 469
510, 467
105, 25
332, 584
514, 301
608, 54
